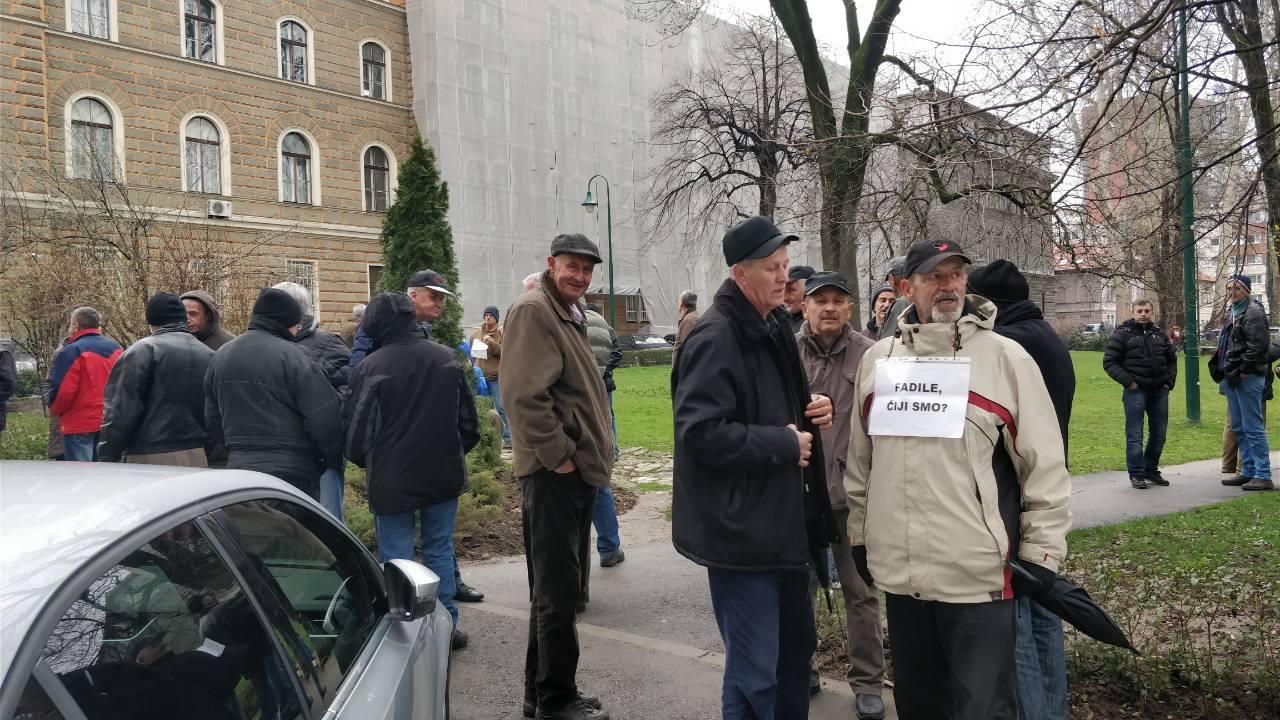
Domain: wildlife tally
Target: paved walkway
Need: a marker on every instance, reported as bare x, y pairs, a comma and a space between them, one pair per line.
650, 647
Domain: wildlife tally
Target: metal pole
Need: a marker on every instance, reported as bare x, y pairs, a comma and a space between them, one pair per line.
608, 207
1191, 352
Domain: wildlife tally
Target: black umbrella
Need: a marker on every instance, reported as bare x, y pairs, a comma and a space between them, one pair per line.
1073, 604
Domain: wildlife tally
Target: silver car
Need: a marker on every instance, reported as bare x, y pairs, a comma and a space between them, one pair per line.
148, 593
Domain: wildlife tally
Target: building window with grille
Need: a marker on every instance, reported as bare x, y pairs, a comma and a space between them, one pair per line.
90, 17
293, 51
200, 30
377, 178
304, 272
295, 169
92, 140
203, 156
636, 310
373, 62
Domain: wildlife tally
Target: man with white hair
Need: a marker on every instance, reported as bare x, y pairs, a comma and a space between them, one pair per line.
957, 491
350, 327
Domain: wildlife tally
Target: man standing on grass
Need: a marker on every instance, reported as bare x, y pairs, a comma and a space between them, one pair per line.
562, 447
77, 383
955, 468
1140, 357
1243, 363
687, 306
831, 351
750, 500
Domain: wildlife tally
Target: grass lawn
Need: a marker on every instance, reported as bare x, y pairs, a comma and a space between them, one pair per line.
643, 405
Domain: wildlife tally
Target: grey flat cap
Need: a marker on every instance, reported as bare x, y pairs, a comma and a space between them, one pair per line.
575, 244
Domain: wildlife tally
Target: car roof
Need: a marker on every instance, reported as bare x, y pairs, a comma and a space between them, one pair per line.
56, 517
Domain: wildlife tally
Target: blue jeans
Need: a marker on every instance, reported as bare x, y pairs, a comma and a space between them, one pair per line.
81, 447
1041, 663
496, 394
395, 542
767, 626
1154, 405
614, 417
331, 492
605, 518
1244, 407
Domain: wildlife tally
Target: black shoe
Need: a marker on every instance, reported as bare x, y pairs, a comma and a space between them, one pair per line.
868, 707
1155, 478
1138, 482
1236, 481
531, 707
459, 640
614, 558
579, 709
466, 593
1258, 484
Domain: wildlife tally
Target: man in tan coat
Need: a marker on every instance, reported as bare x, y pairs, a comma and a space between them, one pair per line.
490, 336
688, 308
562, 443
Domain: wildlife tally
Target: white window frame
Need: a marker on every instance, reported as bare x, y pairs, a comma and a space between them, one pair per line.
224, 151
113, 28
393, 168
219, 53
315, 166
313, 288
311, 48
368, 276
386, 68
117, 134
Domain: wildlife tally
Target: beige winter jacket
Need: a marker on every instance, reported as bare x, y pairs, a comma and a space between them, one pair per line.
938, 515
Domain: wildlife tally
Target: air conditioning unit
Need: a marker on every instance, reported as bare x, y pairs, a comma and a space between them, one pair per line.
220, 209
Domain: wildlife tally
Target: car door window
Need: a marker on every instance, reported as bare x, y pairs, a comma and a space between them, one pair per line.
169, 633
331, 583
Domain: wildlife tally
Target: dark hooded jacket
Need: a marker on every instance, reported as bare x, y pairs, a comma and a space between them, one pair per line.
1142, 354
1022, 322
413, 415
327, 349
155, 396
8, 381
213, 335
742, 501
273, 407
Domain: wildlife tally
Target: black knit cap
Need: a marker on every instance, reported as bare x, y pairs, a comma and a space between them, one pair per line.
999, 281
492, 310
165, 309
279, 306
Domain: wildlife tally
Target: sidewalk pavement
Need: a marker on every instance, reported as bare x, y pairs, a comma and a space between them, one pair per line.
650, 647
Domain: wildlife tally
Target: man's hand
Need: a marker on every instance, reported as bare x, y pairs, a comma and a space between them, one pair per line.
566, 467
860, 564
1133, 386
819, 411
806, 445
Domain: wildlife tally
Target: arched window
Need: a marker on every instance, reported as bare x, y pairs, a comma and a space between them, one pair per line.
92, 144
293, 51
295, 168
200, 30
373, 61
204, 156
377, 178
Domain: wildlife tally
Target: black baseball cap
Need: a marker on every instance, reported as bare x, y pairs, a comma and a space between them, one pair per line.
827, 278
896, 264
924, 256
431, 280
575, 244
752, 239
800, 272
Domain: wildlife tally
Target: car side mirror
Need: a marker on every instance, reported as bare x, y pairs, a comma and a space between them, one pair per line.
411, 589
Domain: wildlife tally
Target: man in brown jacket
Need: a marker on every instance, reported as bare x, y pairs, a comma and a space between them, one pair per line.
831, 350
688, 308
490, 337
562, 442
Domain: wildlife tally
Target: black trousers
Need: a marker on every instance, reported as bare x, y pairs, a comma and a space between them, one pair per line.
556, 517
953, 661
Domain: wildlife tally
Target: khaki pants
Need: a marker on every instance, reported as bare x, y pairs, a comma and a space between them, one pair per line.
178, 458
1231, 448
862, 618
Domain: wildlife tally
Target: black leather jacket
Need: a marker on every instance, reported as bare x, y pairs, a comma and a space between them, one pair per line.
154, 397
1250, 339
328, 349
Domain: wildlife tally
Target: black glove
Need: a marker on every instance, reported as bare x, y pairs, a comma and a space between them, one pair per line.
1233, 379
860, 562
1042, 578
609, 384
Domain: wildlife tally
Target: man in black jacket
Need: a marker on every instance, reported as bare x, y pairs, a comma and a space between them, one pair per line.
1242, 364
750, 494
413, 422
1041, 659
1140, 357
270, 403
154, 398
8, 381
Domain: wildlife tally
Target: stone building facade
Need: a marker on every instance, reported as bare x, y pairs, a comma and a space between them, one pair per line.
291, 114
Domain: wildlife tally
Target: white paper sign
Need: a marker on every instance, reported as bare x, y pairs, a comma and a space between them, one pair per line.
479, 350
920, 397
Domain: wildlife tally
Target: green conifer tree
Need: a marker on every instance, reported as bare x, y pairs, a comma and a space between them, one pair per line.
416, 235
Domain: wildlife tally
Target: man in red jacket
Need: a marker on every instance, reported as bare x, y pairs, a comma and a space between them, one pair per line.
77, 382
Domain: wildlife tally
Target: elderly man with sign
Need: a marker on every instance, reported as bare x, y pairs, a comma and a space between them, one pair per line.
955, 467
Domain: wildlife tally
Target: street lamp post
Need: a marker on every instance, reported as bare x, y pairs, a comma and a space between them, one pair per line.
590, 204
